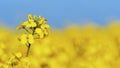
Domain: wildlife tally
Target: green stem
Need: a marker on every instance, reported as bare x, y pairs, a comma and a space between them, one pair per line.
27, 30
33, 31
28, 50
29, 45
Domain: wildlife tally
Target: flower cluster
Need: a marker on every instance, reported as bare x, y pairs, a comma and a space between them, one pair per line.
36, 28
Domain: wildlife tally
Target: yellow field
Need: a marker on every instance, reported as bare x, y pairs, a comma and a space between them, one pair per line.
73, 47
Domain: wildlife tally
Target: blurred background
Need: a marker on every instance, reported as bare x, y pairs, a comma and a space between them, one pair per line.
59, 13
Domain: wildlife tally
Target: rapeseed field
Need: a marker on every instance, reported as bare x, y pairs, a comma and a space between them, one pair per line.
35, 45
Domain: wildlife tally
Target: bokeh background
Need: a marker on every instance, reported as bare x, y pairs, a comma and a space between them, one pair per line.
60, 12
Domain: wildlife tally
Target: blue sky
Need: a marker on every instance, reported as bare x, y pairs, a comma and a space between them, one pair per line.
59, 12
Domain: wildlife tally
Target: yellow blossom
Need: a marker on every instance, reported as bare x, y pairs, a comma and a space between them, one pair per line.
18, 54
31, 39
26, 38
45, 31
45, 26
42, 21
21, 26
27, 24
39, 32
29, 17
30, 23
35, 17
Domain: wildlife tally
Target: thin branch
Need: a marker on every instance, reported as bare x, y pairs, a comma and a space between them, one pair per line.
27, 30
28, 50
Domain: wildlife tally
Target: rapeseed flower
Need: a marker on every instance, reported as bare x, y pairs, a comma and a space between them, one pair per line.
45, 26
34, 26
27, 24
39, 32
42, 21
45, 31
30, 24
26, 38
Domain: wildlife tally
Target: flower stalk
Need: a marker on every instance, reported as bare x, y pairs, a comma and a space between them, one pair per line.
28, 50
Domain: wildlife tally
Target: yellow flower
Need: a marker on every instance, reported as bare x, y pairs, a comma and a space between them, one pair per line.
26, 38
45, 31
18, 55
30, 38
39, 32
29, 17
13, 61
23, 39
21, 26
45, 26
30, 23
35, 17
39, 17
42, 21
